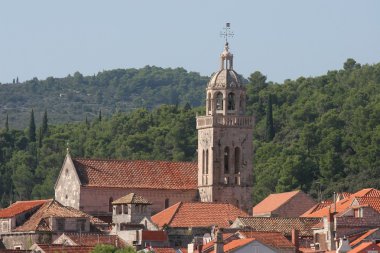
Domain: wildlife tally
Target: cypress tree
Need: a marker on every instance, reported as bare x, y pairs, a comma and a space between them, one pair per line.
100, 115
40, 136
6, 124
269, 123
44, 129
32, 128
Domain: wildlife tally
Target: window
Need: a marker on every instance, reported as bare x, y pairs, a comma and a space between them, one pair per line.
81, 225
166, 203
125, 208
237, 160
203, 162
207, 161
231, 101
5, 226
209, 103
219, 101
110, 204
60, 224
226, 159
67, 172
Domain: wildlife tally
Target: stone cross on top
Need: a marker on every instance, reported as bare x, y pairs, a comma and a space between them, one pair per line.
227, 33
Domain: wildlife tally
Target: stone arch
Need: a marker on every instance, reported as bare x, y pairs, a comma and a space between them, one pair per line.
226, 160
231, 101
237, 160
219, 101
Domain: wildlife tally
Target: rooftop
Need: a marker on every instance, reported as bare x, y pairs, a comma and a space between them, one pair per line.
131, 198
137, 174
198, 215
20, 207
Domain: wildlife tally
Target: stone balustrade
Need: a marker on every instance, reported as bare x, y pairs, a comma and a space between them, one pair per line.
220, 120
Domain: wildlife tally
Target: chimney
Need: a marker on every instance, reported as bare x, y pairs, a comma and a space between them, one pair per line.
190, 247
218, 246
295, 239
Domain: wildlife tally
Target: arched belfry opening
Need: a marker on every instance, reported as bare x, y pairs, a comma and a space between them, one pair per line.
225, 137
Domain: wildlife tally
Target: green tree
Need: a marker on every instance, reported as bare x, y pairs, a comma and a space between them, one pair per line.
32, 128
6, 124
45, 124
269, 120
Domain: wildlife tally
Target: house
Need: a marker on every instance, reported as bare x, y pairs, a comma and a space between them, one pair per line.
51, 248
366, 247
48, 222
368, 236
183, 221
17, 213
286, 204
286, 226
89, 239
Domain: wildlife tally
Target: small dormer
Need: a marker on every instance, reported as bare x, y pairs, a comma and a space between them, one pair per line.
130, 209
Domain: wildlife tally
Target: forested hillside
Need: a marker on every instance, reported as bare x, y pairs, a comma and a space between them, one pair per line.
315, 134
72, 98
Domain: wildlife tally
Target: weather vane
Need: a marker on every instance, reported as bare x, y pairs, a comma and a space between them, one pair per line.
227, 33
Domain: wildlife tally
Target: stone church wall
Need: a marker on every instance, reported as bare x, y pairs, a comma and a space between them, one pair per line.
96, 201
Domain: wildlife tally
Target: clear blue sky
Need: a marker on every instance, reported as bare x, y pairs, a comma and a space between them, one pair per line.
281, 38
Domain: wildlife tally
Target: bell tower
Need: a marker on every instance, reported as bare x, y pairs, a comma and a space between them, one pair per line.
225, 146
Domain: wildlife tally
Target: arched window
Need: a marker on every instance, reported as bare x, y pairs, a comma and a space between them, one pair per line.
231, 101
237, 160
110, 204
207, 161
203, 162
219, 101
166, 203
209, 103
226, 159
241, 103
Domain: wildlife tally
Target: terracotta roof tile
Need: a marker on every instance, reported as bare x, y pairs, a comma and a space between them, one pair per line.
169, 250
88, 239
198, 215
373, 202
20, 207
156, 236
65, 249
227, 237
14, 251
137, 174
317, 207
52, 208
131, 198
235, 244
283, 225
274, 239
365, 247
364, 236
273, 201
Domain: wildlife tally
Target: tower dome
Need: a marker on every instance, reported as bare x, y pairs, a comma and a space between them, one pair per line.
226, 77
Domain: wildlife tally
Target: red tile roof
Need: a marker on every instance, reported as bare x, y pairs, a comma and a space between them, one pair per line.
373, 202
156, 236
279, 224
52, 208
365, 247
273, 201
65, 249
235, 244
20, 207
274, 239
198, 215
317, 207
227, 237
137, 174
342, 205
168, 250
364, 236
88, 239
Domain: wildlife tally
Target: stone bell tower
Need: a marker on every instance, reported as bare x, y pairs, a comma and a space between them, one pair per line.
225, 146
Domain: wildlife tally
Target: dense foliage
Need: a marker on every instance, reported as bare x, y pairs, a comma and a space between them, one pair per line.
318, 134
104, 248
72, 98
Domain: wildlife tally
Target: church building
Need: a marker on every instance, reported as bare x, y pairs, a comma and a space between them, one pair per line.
222, 174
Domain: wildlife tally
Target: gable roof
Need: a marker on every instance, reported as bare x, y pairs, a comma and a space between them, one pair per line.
90, 239
137, 174
235, 244
198, 214
364, 247
132, 198
51, 248
168, 250
279, 224
364, 236
52, 208
369, 193
273, 202
20, 207
273, 239
373, 202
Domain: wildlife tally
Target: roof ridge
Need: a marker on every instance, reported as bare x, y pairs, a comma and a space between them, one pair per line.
126, 160
176, 211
